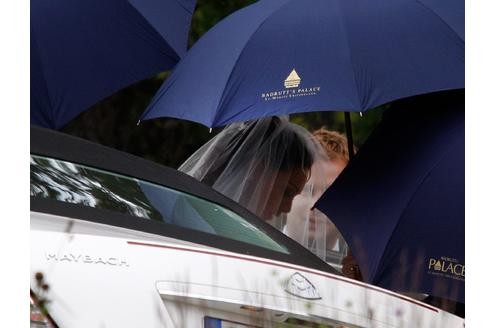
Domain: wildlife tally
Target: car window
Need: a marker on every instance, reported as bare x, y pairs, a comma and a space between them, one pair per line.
78, 184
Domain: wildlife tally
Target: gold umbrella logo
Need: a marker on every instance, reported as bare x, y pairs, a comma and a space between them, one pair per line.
293, 80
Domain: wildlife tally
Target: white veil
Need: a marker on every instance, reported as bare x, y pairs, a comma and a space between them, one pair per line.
262, 164
277, 170
307, 225
310, 227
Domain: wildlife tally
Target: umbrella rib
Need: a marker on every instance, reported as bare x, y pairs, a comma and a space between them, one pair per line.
222, 99
441, 19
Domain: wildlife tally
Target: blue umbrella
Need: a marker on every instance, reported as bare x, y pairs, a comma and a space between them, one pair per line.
400, 202
84, 50
278, 57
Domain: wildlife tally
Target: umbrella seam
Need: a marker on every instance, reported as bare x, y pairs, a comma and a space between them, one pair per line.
185, 8
423, 180
441, 19
147, 40
158, 95
222, 98
343, 23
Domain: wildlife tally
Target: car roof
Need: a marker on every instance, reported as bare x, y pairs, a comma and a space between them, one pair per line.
54, 144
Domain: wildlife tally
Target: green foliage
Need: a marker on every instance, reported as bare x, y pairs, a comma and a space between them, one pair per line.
362, 126
209, 12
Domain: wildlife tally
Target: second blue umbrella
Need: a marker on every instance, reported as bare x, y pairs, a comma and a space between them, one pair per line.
400, 203
83, 51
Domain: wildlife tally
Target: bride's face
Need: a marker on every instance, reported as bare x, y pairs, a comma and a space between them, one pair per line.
287, 185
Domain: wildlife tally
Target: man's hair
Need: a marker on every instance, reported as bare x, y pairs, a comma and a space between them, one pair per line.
334, 143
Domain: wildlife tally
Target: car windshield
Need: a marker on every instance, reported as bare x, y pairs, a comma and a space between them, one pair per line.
79, 184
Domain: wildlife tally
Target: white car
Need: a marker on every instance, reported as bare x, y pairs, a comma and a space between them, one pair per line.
118, 241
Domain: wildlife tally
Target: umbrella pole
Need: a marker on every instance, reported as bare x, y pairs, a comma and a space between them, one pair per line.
348, 131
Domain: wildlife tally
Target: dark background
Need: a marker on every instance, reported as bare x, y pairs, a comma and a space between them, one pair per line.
113, 121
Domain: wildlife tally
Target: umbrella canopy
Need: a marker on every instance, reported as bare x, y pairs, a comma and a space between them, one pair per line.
400, 203
85, 50
277, 57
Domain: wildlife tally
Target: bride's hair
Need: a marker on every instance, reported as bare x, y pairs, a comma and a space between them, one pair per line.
246, 156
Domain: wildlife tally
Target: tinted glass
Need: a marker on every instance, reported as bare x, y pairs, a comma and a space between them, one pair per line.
79, 184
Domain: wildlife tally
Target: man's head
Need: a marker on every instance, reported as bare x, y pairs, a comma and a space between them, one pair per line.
307, 224
336, 149
334, 143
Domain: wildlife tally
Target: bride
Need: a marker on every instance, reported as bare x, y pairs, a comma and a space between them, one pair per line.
262, 164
